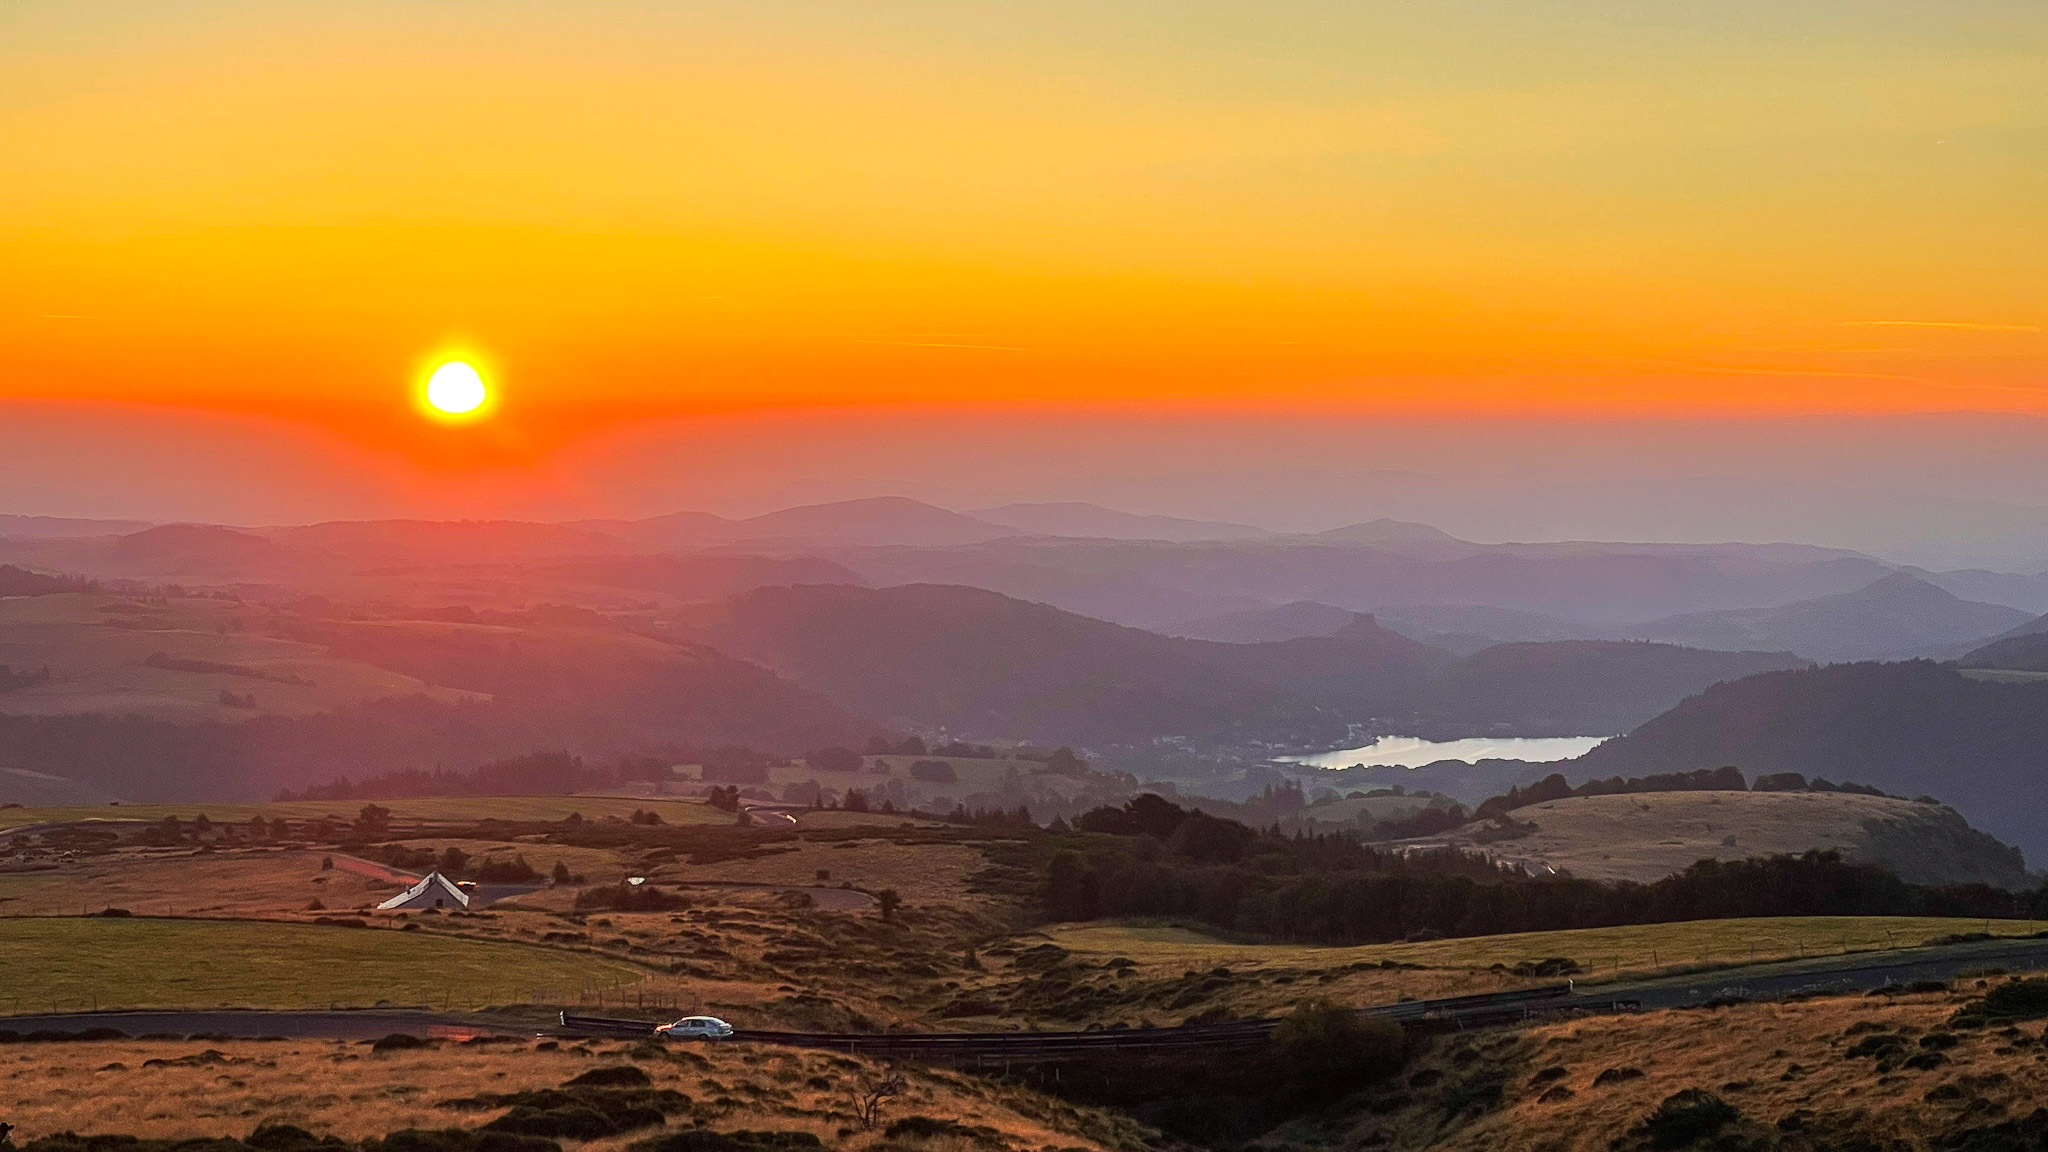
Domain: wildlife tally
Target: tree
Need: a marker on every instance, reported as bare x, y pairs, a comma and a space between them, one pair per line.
373, 822
868, 1093
453, 861
1070, 888
1063, 762
561, 872
834, 759
890, 901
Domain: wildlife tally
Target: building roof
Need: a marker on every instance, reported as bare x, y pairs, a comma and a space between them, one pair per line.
433, 891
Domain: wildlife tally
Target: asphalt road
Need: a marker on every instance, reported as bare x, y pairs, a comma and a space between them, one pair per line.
1834, 974
1858, 973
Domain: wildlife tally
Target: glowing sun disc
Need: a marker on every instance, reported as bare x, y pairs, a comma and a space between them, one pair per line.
455, 388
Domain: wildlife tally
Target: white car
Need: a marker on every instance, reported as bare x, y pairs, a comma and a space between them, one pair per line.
696, 1028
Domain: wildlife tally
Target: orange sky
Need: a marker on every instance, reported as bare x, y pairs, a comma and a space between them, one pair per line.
648, 210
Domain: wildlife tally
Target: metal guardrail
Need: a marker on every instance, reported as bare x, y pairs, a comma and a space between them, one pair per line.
1454, 1011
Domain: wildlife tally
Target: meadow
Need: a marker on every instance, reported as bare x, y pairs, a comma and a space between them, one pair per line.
74, 964
439, 809
1630, 950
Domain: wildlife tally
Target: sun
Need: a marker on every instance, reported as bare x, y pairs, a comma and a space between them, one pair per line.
456, 389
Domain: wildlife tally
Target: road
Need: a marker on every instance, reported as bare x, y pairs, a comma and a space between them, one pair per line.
1858, 973
1756, 982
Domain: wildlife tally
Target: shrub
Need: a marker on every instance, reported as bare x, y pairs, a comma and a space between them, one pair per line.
1323, 1049
1687, 1117
629, 898
2012, 1000
616, 1076
398, 1042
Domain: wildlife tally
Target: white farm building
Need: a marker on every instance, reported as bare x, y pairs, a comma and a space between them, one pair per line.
433, 891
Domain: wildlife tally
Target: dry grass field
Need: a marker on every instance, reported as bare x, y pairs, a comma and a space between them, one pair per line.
430, 809
1582, 1085
170, 1089
1634, 950
84, 963
922, 873
974, 774
181, 882
1645, 836
97, 647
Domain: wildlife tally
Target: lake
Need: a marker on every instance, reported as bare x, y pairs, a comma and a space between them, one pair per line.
1413, 751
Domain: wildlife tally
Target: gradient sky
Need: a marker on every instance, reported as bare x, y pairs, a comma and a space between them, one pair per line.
653, 219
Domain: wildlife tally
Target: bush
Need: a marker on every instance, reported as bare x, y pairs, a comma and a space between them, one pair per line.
1325, 1050
398, 1042
574, 1122
629, 898
1687, 1117
616, 1076
705, 1140
933, 772
2012, 1000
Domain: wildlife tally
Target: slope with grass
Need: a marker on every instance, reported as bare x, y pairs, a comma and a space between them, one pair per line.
1648, 835
1909, 728
159, 1089
179, 659
1630, 950
1827, 1074
80, 963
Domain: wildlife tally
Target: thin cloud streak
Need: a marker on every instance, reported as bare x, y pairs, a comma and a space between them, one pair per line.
1966, 325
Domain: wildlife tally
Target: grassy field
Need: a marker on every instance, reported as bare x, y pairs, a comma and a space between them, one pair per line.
168, 1090
249, 884
435, 808
78, 964
1635, 949
1647, 836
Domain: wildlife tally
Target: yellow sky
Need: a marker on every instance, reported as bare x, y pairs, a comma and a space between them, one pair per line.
634, 209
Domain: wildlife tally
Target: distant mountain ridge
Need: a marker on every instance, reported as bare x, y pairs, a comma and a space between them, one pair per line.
1897, 616
1074, 518
981, 664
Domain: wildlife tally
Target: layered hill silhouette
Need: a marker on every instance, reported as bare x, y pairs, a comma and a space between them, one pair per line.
974, 661
1897, 616
1074, 518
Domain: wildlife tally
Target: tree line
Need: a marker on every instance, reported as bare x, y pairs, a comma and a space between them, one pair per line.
1152, 858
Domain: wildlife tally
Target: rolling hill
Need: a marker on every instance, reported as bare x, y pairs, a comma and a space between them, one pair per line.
1898, 616
1909, 728
1260, 625
978, 663
1588, 687
1648, 835
178, 697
